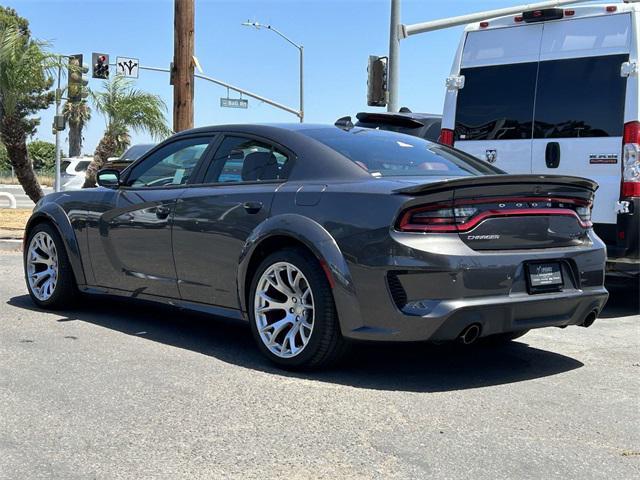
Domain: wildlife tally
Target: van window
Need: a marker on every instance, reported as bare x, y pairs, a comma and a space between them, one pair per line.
580, 97
496, 102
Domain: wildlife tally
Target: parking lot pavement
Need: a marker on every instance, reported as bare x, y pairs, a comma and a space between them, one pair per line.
114, 389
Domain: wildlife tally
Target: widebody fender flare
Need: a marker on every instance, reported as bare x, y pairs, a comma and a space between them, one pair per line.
56, 216
320, 242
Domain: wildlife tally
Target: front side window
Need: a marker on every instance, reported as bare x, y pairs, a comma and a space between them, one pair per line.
383, 153
496, 102
580, 97
171, 165
240, 159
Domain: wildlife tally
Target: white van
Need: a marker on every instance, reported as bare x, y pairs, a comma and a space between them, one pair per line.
555, 91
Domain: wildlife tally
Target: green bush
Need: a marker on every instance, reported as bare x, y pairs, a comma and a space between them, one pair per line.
42, 155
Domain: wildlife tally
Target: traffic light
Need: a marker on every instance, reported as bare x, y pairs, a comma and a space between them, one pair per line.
100, 62
377, 81
77, 79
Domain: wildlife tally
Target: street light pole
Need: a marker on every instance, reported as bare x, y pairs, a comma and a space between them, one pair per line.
394, 56
258, 26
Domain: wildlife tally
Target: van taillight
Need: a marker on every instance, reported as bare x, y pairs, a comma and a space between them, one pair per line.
446, 137
631, 160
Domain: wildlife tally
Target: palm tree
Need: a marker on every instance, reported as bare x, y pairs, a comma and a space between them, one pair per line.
77, 115
24, 89
125, 109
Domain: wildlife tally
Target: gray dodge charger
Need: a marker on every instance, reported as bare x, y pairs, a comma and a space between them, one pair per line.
318, 235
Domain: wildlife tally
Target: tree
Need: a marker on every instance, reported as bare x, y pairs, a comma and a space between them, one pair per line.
25, 88
124, 109
42, 155
5, 166
78, 115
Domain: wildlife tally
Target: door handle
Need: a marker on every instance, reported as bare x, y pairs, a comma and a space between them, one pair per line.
162, 212
252, 207
552, 155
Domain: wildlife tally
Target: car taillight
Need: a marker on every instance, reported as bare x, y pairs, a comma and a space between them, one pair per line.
464, 215
631, 160
446, 137
434, 218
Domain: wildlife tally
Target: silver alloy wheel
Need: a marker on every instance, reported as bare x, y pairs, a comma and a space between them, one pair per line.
42, 266
284, 309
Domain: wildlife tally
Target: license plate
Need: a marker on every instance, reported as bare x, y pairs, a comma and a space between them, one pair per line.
544, 277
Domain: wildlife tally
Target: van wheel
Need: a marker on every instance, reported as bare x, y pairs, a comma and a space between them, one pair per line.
292, 312
47, 270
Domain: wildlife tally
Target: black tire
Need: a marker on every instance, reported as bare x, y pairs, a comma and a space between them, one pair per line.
326, 345
65, 291
502, 338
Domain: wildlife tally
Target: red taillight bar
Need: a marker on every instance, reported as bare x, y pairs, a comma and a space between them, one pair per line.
406, 226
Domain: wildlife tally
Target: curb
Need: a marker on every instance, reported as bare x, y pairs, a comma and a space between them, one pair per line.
11, 240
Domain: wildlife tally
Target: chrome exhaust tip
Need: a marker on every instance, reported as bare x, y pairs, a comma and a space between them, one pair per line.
470, 334
589, 319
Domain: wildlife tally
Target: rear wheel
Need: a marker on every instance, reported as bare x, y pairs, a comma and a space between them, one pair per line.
48, 273
293, 316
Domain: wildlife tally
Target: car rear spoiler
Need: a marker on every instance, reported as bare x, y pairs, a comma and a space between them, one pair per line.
488, 180
390, 119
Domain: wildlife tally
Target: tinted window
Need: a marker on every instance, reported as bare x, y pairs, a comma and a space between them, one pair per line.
173, 164
496, 102
134, 152
580, 97
383, 153
240, 159
82, 165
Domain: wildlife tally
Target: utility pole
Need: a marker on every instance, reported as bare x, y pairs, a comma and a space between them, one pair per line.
394, 54
57, 185
183, 50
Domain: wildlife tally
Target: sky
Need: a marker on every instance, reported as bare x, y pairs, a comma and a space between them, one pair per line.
338, 36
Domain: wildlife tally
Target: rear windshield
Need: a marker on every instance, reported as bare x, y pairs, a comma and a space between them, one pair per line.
568, 98
384, 153
134, 152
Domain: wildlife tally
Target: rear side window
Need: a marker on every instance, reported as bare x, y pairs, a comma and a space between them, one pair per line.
580, 97
240, 159
496, 102
82, 165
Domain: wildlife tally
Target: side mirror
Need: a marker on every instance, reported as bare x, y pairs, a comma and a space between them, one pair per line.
109, 178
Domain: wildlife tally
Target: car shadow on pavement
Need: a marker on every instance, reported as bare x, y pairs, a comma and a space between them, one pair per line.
416, 367
624, 301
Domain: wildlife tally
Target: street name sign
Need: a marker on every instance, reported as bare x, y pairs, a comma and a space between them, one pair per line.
234, 102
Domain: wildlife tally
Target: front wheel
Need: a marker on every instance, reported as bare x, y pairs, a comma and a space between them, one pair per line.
292, 312
47, 270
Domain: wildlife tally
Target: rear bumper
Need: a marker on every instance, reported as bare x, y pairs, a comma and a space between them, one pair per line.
432, 288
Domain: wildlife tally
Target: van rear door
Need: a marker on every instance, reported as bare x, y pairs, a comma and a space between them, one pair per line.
494, 110
580, 103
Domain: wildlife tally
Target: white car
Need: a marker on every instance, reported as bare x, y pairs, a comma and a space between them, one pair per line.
555, 91
72, 172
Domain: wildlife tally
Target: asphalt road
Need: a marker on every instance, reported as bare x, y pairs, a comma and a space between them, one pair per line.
114, 389
21, 198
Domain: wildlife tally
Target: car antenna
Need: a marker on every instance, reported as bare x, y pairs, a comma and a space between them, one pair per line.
404, 110
344, 123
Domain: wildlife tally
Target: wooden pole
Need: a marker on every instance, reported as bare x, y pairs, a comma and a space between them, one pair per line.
183, 40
